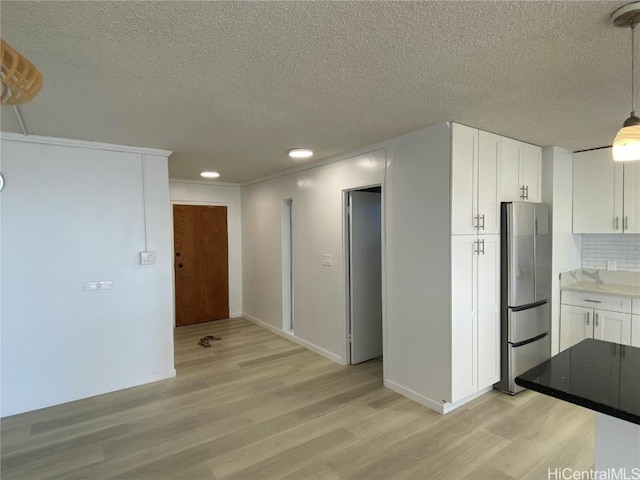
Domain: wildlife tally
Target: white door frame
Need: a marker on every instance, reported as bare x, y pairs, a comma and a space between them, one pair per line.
346, 268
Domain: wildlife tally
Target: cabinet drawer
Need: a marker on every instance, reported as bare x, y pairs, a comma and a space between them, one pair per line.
595, 300
635, 308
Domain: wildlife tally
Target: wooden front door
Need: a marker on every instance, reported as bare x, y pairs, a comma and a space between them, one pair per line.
201, 263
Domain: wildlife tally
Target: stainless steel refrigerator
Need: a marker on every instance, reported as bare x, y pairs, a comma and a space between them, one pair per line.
525, 314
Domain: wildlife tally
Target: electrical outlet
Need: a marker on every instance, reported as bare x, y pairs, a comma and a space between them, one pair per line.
327, 260
611, 265
87, 286
105, 285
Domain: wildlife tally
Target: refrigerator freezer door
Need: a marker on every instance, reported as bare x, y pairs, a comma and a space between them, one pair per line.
520, 259
525, 357
528, 323
542, 252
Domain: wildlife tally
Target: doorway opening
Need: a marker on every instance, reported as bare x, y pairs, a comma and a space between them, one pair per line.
363, 255
287, 265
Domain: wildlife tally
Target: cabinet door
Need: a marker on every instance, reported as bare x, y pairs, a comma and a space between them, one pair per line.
488, 310
631, 192
489, 153
612, 326
509, 176
464, 179
635, 330
597, 199
575, 325
464, 278
530, 170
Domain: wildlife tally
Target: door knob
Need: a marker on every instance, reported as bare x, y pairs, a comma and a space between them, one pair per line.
180, 265
177, 254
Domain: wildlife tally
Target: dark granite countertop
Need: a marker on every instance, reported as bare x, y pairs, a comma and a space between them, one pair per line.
599, 375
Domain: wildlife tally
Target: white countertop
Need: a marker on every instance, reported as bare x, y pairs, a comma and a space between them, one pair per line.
632, 291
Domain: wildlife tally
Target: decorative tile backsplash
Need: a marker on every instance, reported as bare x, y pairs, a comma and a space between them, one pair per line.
623, 248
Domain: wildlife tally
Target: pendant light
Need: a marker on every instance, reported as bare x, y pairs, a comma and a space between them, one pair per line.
626, 146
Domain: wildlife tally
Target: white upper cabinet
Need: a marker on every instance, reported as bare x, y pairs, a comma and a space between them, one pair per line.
475, 171
606, 194
464, 179
631, 197
489, 160
521, 170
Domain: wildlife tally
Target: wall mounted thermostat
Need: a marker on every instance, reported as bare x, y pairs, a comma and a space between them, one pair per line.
147, 258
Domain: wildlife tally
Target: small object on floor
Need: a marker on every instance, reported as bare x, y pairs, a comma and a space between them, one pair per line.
211, 337
204, 341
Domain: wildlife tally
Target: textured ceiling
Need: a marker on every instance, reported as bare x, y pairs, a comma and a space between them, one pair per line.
231, 86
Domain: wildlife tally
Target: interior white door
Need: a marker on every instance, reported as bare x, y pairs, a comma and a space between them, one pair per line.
365, 275
576, 324
612, 326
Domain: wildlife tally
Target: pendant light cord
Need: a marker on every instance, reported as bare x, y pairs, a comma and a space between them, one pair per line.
633, 69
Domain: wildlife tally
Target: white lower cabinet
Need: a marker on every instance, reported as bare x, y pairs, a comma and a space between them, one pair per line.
475, 313
635, 330
578, 323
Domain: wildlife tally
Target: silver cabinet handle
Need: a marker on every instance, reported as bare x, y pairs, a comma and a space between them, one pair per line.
625, 224
596, 319
588, 318
526, 192
592, 301
476, 246
482, 246
616, 223
522, 192
475, 221
481, 226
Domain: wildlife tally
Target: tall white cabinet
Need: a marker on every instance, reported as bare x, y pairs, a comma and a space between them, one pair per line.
475, 260
443, 270
606, 194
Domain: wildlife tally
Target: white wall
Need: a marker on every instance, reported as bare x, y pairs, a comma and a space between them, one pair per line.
418, 276
198, 193
319, 305
557, 191
74, 212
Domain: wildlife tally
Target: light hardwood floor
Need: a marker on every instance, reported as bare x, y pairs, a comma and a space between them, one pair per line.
255, 406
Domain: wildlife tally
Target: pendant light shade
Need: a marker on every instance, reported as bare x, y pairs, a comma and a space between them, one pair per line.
20, 79
626, 145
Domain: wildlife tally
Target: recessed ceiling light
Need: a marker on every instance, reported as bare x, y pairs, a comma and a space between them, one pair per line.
209, 174
300, 153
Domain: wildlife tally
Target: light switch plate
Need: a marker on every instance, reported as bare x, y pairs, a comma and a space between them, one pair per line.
327, 260
147, 258
105, 285
611, 265
87, 286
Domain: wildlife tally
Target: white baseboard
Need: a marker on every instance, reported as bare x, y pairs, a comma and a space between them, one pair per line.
448, 407
79, 394
439, 407
235, 315
293, 338
415, 396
